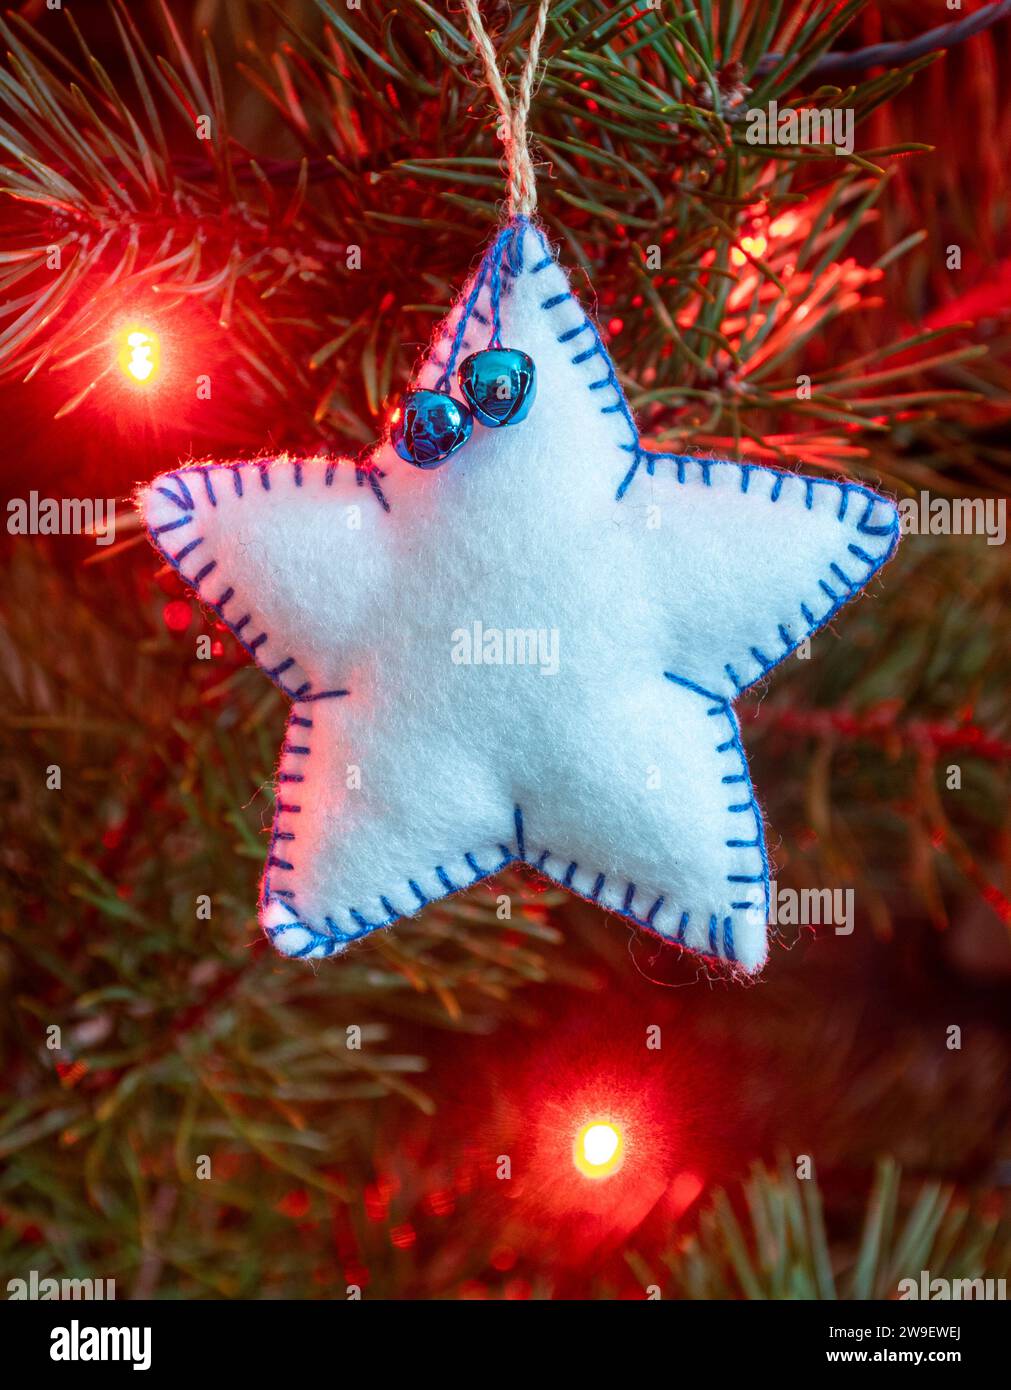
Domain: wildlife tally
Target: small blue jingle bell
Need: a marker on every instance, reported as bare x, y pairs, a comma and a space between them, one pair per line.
429, 426
499, 385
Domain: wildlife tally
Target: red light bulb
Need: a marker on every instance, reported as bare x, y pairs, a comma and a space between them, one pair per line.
599, 1149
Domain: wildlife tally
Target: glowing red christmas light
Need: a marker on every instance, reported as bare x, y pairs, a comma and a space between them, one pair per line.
139, 355
176, 615
403, 1237
599, 1149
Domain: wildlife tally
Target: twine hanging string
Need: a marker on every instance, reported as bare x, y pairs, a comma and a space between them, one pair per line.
522, 184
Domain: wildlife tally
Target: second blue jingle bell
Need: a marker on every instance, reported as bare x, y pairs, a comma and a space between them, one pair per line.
429, 427
499, 385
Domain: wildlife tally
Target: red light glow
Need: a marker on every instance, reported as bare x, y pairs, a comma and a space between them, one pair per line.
573, 1145
176, 615
139, 355
599, 1149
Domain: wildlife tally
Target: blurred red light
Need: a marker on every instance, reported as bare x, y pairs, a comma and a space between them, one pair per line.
176, 615
403, 1237
294, 1204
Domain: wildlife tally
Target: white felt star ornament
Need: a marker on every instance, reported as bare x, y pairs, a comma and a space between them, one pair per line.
528, 653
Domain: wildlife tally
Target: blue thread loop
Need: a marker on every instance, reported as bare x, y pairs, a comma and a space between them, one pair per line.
505, 255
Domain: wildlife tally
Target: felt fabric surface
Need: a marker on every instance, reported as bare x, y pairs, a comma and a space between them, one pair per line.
530, 652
